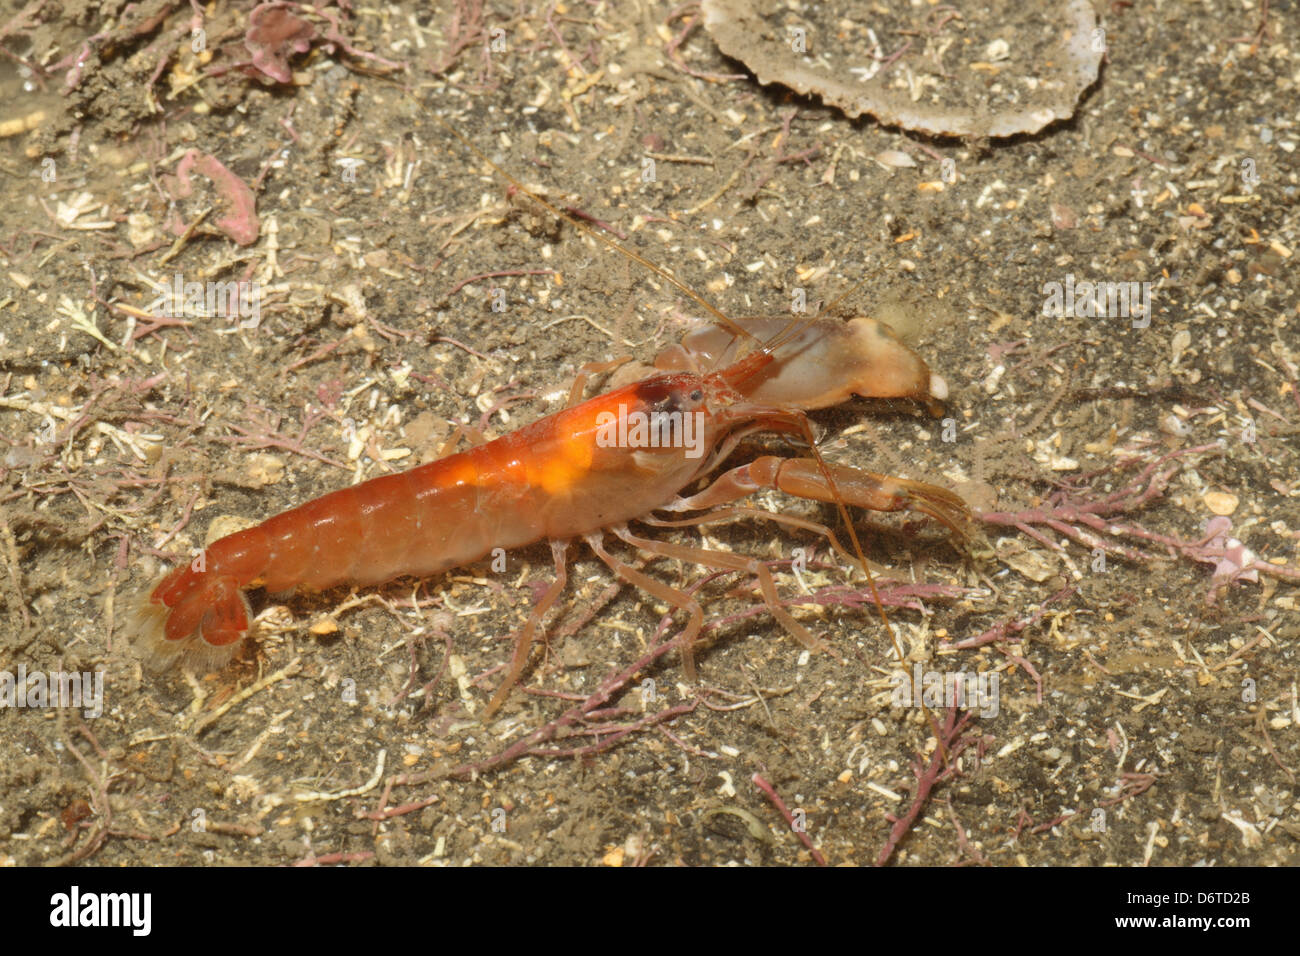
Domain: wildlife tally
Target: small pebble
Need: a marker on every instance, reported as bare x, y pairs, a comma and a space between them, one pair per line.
895, 158
1221, 502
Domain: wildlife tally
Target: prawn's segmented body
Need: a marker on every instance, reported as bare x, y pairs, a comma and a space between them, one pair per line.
562, 478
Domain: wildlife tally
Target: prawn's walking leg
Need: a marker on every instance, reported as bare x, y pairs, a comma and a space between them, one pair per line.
717, 515
524, 642
467, 432
721, 560
670, 595
803, 477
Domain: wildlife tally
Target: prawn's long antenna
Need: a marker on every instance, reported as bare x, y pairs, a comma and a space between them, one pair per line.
632, 254
784, 336
844, 515
794, 328
871, 583
843, 510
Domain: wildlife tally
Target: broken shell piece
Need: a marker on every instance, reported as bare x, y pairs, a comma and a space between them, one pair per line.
742, 33
997, 51
1036, 565
1063, 217
223, 525
1171, 424
324, 626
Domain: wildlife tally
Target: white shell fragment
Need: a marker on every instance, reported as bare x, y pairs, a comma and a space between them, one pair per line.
742, 34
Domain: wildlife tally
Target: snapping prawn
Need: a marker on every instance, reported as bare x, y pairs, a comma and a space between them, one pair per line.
561, 479
555, 479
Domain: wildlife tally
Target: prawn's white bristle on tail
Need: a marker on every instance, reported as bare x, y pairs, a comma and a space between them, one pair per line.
143, 624
199, 656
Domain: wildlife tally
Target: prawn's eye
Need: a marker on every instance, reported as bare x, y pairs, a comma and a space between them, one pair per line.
697, 396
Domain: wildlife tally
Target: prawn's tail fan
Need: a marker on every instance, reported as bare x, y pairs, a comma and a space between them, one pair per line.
192, 618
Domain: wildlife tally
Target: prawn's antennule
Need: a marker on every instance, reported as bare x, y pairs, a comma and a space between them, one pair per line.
635, 256
740, 372
785, 335
795, 327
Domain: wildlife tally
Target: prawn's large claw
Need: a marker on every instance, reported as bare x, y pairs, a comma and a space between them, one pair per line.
825, 363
